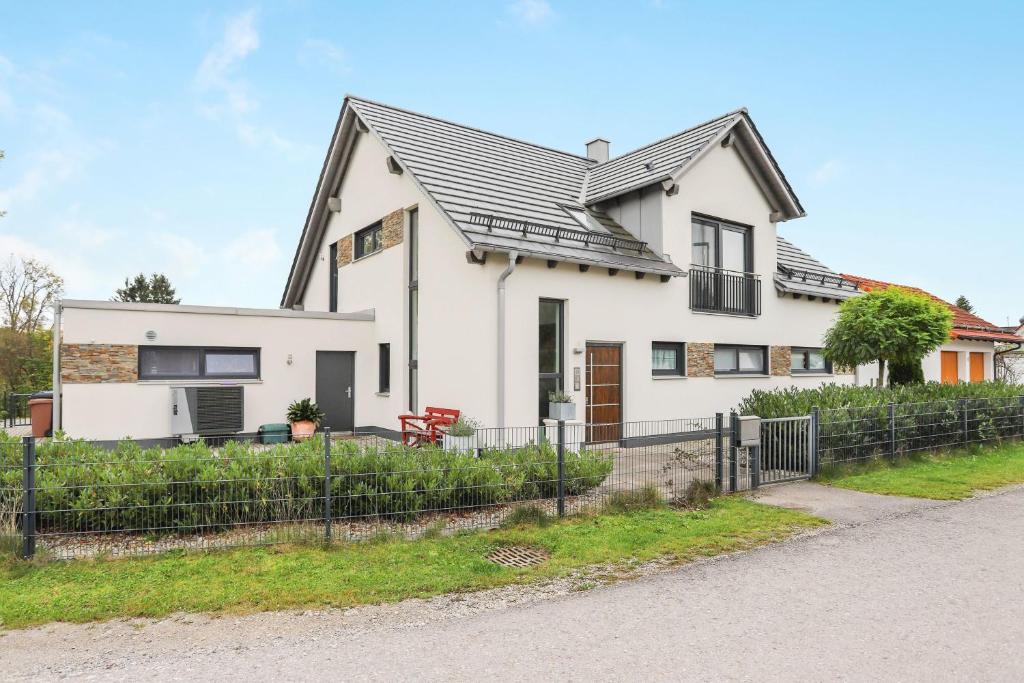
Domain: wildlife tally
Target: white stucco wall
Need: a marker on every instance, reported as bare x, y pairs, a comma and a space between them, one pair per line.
931, 365
143, 409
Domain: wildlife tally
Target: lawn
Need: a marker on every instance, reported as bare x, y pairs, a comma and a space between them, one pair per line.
388, 570
938, 476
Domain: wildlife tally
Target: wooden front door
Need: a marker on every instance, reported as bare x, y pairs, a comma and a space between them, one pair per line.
950, 372
977, 367
604, 392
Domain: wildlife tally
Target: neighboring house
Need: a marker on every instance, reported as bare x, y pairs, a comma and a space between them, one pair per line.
490, 271
969, 355
1010, 356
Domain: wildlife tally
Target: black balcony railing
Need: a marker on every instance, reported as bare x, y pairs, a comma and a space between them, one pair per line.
716, 290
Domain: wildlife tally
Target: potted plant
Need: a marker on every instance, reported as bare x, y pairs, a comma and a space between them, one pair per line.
461, 435
304, 417
560, 406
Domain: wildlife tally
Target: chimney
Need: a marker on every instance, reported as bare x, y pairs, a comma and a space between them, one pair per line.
597, 149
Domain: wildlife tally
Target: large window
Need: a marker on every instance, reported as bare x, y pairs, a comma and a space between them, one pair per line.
721, 277
809, 360
717, 244
740, 360
384, 368
190, 362
333, 265
368, 240
550, 337
668, 359
414, 310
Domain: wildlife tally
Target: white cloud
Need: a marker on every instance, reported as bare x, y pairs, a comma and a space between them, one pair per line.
255, 249
179, 257
46, 169
827, 172
532, 12
318, 52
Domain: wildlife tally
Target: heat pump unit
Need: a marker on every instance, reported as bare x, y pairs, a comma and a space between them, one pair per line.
198, 411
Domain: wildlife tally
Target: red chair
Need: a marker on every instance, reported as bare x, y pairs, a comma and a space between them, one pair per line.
427, 428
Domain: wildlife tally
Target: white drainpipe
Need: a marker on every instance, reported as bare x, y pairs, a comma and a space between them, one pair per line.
502, 351
56, 367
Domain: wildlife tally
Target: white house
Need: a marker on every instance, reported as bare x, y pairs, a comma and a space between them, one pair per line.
968, 356
484, 272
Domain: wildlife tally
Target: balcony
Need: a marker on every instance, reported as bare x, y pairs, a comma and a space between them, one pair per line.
716, 290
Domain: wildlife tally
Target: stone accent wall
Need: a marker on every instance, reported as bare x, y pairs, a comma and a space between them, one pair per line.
700, 359
345, 251
842, 370
393, 229
780, 360
98, 363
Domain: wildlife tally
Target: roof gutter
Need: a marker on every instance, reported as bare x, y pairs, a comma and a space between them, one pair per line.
502, 349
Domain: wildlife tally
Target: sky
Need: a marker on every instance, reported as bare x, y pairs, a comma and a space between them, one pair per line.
186, 138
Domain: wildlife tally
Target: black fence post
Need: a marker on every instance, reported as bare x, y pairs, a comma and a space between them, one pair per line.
734, 449
892, 431
962, 410
28, 515
327, 484
719, 442
561, 468
755, 467
815, 452
1020, 400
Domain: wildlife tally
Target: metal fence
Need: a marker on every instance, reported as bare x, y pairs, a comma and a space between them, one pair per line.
76, 498
79, 498
15, 410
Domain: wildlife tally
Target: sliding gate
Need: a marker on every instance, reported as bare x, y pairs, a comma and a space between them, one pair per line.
786, 452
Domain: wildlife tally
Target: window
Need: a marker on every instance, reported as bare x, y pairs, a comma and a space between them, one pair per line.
717, 244
414, 273
736, 360
384, 368
333, 296
668, 359
551, 363
187, 362
368, 240
586, 221
809, 360
721, 277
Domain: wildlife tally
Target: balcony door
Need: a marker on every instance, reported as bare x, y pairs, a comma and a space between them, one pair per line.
723, 261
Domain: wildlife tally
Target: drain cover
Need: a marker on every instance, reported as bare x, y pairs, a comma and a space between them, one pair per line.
517, 556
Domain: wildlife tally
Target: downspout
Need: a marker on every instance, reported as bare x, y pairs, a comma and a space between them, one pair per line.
502, 351
56, 424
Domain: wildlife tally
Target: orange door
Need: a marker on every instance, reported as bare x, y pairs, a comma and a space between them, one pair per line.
950, 374
977, 367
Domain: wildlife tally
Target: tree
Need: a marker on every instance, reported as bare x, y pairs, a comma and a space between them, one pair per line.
964, 303
889, 325
156, 290
28, 289
905, 373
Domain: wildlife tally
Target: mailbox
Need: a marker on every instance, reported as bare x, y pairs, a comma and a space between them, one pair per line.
749, 430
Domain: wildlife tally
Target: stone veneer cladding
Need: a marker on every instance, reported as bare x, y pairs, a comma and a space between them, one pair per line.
98, 363
700, 359
780, 360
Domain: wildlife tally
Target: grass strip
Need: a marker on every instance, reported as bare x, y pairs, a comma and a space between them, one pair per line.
937, 476
257, 579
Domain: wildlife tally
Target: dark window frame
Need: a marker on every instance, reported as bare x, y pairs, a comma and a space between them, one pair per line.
680, 349
559, 375
827, 370
384, 368
203, 351
376, 229
413, 265
332, 305
720, 225
743, 347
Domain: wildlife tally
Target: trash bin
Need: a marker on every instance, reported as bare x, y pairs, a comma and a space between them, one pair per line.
277, 432
40, 409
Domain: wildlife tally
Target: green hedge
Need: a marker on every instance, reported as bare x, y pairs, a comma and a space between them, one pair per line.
854, 421
82, 487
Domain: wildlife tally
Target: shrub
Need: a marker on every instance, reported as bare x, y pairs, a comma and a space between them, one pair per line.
698, 494
644, 498
905, 372
82, 487
305, 411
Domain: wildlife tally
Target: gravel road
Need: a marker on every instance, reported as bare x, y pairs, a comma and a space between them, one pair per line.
912, 591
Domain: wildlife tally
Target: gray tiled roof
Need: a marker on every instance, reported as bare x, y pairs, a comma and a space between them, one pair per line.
800, 273
656, 161
468, 171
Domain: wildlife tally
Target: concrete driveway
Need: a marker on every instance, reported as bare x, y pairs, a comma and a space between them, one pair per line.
929, 591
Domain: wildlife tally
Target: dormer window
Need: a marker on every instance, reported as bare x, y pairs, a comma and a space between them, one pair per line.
585, 220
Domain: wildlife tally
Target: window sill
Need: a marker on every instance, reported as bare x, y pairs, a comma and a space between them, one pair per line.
382, 394
366, 256
726, 314
812, 374
743, 375
213, 382
659, 378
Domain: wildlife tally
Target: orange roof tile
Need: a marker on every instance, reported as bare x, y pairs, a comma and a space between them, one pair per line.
966, 325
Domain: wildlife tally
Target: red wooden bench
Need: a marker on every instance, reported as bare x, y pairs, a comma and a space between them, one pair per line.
427, 428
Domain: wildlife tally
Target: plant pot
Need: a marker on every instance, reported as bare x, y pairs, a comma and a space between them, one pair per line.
562, 411
303, 430
460, 444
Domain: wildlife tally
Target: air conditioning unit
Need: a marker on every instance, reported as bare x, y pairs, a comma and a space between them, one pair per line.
199, 411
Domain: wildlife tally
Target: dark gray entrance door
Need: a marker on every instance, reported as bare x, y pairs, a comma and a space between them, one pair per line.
335, 386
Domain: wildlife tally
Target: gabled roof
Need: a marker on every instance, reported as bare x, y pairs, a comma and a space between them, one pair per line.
797, 272
503, 194
966, 325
